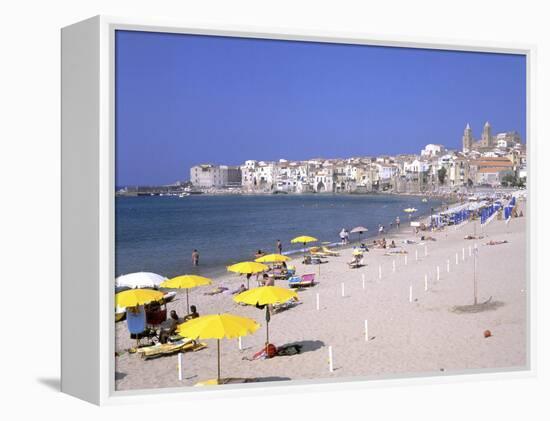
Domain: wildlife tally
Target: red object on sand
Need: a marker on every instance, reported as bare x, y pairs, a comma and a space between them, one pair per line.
487, 333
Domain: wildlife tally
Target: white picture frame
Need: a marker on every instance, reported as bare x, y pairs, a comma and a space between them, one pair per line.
88, 209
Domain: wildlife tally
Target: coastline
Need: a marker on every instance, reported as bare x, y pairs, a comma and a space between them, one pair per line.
427, 336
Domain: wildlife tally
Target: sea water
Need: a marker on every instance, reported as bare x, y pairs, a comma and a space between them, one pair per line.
158, 233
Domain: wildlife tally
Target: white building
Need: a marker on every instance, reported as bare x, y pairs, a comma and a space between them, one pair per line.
433, 150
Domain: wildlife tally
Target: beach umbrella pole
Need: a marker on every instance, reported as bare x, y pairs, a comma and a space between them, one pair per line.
219, 371
187, 296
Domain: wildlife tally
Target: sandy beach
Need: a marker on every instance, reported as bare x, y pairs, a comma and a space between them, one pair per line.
431, 335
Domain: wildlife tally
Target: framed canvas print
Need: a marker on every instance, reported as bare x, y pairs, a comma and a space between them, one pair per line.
247, 209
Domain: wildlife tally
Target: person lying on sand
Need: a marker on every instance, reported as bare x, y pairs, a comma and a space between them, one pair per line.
268, 351
496, 242
217, 290
427, 238
409, 242
391, 253
473, 237
242, 288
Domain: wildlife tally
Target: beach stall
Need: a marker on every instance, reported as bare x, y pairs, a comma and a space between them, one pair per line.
134, 301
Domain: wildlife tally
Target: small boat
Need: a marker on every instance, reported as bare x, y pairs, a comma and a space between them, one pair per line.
184, 194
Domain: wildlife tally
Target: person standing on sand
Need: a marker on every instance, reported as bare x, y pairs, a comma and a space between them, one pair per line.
279, 247
195, 257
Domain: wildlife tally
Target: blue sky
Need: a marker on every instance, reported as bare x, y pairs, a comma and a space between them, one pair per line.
188, 99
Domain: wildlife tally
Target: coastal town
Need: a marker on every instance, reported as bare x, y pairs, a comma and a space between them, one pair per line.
493, 160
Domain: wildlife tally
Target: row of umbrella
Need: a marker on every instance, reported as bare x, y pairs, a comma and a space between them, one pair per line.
216, 326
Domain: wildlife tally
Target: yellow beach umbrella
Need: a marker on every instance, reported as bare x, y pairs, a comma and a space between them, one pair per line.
272, 258
304, 239
248, 268
186, 282
137, 297
264, 296
217, 326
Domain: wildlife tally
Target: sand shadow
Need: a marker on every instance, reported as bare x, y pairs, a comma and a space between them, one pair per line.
306, 346
488, 305
272, 379
119, 375
54, 383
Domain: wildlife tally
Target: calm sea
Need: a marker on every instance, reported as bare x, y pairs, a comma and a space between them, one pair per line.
158, 234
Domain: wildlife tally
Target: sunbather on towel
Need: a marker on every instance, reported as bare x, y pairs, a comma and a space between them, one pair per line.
268, 351
496, 242
242, 288
217, 290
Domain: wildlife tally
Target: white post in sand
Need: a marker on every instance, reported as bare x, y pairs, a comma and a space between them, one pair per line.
463, 254
366, 331
438, 273
456, 258
393, 265
379, 271
425, 282
330, 366
180, 366
343, 293
470, 251
416, 254
405, 260
448, 265
363, 276
425, 251
317, 301
410, 293
240, 343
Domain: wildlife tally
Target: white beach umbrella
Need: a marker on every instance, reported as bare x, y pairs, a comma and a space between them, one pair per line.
360, 230
139, 280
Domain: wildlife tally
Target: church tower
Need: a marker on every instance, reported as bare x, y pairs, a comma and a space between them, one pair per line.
467, 139
486, 137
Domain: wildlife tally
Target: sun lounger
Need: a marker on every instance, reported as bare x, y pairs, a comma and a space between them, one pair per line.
329, 252
284, 306
306, 280
318, 252
159, 350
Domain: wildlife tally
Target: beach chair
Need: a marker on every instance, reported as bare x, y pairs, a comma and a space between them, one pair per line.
306, 280
329, 252
183, 345
356, 263
317, 252
276, 308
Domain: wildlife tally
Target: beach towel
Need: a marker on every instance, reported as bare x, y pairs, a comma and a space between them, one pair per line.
136, 321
